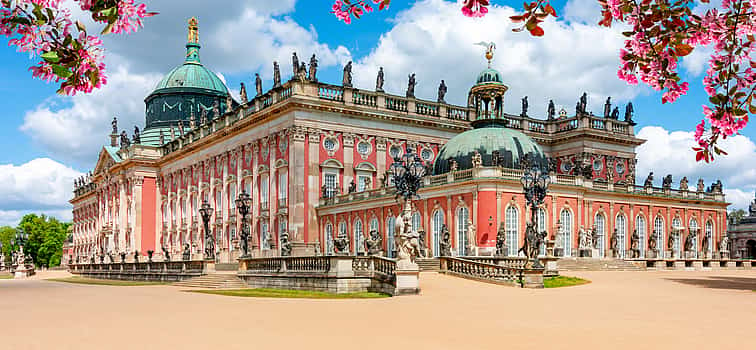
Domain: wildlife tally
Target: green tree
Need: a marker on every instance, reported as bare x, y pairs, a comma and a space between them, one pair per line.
6, 235
46, 237
737, 214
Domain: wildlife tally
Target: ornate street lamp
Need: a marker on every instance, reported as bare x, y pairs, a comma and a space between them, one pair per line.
206, 211
244, 203
535, 183
407, 172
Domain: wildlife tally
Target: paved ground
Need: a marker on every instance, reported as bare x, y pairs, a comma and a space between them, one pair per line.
619, 310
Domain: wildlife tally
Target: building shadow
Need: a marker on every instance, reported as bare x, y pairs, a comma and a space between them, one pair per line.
735, 283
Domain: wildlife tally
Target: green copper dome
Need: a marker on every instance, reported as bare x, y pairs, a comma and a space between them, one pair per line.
487, 137
489, 76
189, 90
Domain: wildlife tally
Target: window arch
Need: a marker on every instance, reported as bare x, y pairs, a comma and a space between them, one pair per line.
566, 232
463, 216
358, 238
374, 224
417, 221
438, 222
264, 234
512, 226
390, 222
676, 239
620, 224
329, 238
694, 230
541, 227
640, 227
232, 197
659, 228
599, 223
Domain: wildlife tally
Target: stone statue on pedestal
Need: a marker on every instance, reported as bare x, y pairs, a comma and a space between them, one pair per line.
276, 75
258, 85
346, 80
302, 72
608, 108
294, 65
614, 244
411, 82
652, 241
285, 244
352, 187
667, 182
136, 138
689, 244
583, 103
406, 241
700, 186
501, 241
615, 113
705, 243
472, 238
313, 77
634, 245
187, 253
583, 238
379, 80
421, 246
341, 243
374, 243
551, 110
629, 112
243, 94
442, 92
166, 254
445, 244
524, 102
684, 184
724, 244
649, 180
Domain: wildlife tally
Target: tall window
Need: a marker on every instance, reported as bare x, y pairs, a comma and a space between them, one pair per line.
693, 227
621, 225
541, 228
417, 221
710, 233
264, 195
232, 197
164, 212
438, 222
659, 228
463, 216
390, 222
640, 226
600, 224
173, 212
358, 238
512, 226
282, 225
248, 187
184, 212
264, 235
329, 238
374, 224
218, 200
362, 181
566, 232
677, 226
329, 179
283, 186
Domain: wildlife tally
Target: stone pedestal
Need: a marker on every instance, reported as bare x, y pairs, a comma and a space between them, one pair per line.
586, 253
407, 281
559, 251
651, 254
698, 265
532, 278
730, 264
679, 265
208, 267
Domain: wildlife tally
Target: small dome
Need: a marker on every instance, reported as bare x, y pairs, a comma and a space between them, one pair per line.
191, 75
489, 76
486, 138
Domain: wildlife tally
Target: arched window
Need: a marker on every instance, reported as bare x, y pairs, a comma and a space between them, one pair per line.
659, 228
512, 227
173, 212
184, 212
164, 213
390, 222
359, 248
232, 197
599, 223
463, 217
218, 201
640, 227
264, 234
264, 194
374, 224
676, 231
417, 221
710, 234
620, 225
693, 229
438, 222
329, 238
542, 225
566, 232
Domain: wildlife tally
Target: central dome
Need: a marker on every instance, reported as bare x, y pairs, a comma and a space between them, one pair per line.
487, 137
191, 76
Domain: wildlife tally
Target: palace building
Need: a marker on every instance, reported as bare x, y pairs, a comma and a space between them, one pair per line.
315, 159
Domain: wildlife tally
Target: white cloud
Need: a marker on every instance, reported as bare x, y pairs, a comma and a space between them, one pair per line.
433, 40
75, 128
698, 60
670, 152
586, 11
41, 185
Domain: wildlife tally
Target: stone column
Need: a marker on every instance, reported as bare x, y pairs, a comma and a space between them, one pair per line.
380, 160
348, 140
296, 177
312, 166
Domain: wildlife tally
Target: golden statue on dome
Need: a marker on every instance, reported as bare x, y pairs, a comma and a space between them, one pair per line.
490, 47
193, 36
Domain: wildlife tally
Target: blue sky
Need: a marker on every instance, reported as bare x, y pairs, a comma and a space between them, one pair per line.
429, 37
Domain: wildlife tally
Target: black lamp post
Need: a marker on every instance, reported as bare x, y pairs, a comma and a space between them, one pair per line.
206, 211
535, 183
407, 172
244, 203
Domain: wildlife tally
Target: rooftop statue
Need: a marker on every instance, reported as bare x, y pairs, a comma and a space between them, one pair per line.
442, 92
114, 125
584, 103
229, 103
313, 68
258, 85
346, 80
379, 80
276, 75
684, 184
173, 133
615, 113
524, 112
608, 108
203, 117
411, 85
302, 73
649, 180
667, 182
181, 128
192, 121
629, 112
295, 65
490, 47
216, 109
125, 139
243, 94
162, 138
700, 186
137, 138
552, 110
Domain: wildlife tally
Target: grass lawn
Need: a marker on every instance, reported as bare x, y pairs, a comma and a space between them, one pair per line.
563, 281
6, 276
286, 293
99, 282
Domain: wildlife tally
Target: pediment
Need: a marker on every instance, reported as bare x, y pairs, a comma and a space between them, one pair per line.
105, 161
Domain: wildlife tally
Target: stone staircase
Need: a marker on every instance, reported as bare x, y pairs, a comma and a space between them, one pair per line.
588, 264
429, 264
214, 281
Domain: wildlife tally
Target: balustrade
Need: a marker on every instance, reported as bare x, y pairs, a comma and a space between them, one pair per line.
426, 109
332, 93
396, 104
456, 113
364, 99
598, 124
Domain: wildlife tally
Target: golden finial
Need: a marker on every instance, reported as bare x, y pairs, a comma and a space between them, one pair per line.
193, 31
490, 47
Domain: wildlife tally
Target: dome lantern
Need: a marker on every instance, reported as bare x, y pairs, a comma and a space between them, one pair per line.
487, 95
